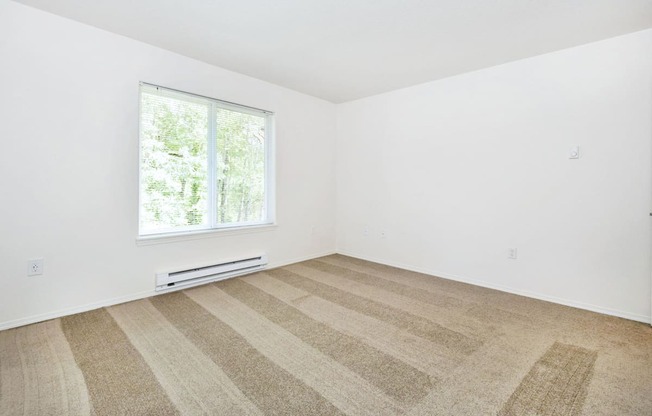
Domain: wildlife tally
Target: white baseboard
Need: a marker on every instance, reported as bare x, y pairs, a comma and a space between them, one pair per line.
275, 265
482, 283
127, 298
77, 309
272, 265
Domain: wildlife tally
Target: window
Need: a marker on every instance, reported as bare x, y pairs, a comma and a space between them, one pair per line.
204, 164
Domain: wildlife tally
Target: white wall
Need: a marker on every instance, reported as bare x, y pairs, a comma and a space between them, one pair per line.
458, 170
69, 166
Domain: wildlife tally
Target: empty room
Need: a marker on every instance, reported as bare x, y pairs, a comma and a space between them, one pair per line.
301, 207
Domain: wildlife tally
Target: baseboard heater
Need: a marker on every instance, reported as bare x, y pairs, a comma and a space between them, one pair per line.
211, 273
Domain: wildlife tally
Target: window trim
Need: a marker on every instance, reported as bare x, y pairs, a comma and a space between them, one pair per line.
153, 239
213, 228
234, 106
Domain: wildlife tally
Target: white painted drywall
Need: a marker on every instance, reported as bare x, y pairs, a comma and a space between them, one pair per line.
343, 50
69, 166
457, 171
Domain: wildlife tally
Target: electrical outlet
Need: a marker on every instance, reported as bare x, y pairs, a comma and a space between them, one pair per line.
365, 231
383, 234
512, 253
35, 267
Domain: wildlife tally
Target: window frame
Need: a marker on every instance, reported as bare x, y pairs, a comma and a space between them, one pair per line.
213, 227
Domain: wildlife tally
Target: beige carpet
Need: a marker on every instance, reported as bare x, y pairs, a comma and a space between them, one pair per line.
330, 336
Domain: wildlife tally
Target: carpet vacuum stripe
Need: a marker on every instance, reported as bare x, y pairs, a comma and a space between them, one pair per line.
38, 373
344, 389
417, 352
450, 303
556, 385
402, 312
119, 380
192, 380
521, 307
265, 383
394, 377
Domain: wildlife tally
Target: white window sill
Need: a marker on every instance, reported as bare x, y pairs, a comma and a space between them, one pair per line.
148, 240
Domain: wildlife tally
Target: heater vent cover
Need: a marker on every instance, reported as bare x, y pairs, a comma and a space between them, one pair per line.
210, 273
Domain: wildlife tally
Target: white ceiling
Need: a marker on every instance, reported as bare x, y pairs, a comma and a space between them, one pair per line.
341, 50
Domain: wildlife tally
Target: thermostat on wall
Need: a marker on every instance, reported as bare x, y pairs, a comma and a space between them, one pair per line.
574, 152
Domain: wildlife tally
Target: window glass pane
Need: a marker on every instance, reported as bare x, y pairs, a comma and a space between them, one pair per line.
203, 163
240, 167
174, 165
